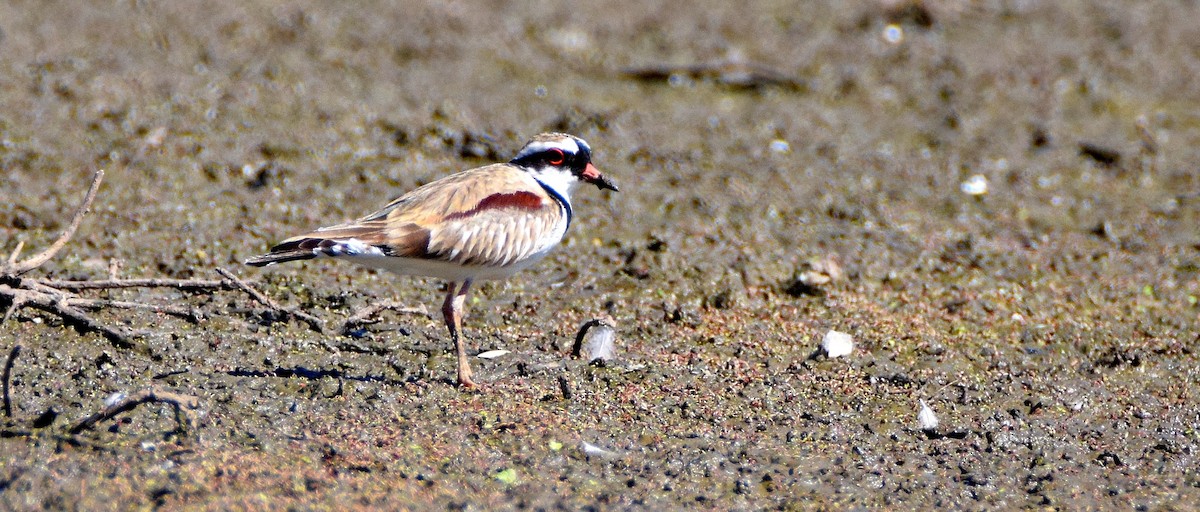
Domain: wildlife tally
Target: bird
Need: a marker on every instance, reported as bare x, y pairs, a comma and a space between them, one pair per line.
485, 223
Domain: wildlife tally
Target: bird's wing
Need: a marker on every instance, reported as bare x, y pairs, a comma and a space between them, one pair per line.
490, 216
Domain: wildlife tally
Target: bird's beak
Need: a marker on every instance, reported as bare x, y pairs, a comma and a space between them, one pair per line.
592, 175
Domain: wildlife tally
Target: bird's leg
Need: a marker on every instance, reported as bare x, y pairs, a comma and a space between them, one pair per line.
452, 311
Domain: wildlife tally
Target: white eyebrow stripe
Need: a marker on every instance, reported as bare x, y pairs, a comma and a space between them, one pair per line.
566, 145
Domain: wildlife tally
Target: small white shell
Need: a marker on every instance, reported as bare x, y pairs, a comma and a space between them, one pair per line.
926, 419
591, 449
492, 354
596, 340
114, 399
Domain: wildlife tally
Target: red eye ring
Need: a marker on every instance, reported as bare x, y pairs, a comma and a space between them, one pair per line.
556, 157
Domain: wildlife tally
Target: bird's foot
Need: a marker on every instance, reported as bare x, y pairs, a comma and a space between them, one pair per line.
465, 382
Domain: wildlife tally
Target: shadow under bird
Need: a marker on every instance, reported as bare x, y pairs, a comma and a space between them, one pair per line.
483, 223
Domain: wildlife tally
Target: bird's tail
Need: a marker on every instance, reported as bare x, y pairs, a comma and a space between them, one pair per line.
306, 247
290, 250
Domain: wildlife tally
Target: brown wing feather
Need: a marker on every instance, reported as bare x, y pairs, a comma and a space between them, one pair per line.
474, 225
461, 218
454, 193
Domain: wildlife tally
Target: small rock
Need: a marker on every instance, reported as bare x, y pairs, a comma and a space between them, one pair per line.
976, 185
1103, 155
893, 33
814, 274
507, 476
837, 344
46, 418
156, 137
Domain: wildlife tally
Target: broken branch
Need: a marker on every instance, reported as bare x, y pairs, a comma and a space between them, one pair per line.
35, 261
315, 323
107, 284
60, 305
12, 258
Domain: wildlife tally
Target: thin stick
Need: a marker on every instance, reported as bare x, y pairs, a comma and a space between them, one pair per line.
183, 284
184, 405
364, 315
245, 287
12, 258
8, 364
17, 301
943, 388
120, 304
44, 256
315, 323
56, 296
60, 305
117, 337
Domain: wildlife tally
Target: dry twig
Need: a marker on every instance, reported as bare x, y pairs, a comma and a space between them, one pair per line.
56, 297
24, 292
185, 408
185, 313
313, 322
35, 261
365, 316
107, 284
61, 306
12, 258
734, 71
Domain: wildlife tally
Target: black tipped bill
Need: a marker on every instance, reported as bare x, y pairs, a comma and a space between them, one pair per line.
592, 175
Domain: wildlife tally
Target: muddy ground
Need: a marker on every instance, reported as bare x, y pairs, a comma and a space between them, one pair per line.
1050, 323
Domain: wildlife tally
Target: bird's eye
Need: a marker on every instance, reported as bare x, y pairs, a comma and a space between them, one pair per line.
555, 157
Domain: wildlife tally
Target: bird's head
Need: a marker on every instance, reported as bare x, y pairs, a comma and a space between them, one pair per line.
561, 159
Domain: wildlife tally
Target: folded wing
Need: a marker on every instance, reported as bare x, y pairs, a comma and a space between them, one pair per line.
491, 216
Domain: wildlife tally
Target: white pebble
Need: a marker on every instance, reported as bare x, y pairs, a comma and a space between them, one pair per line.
837, 344
893, 33
780, 146
976, 185
926, 419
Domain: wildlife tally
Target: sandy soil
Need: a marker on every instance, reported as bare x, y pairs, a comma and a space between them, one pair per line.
1050, 323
